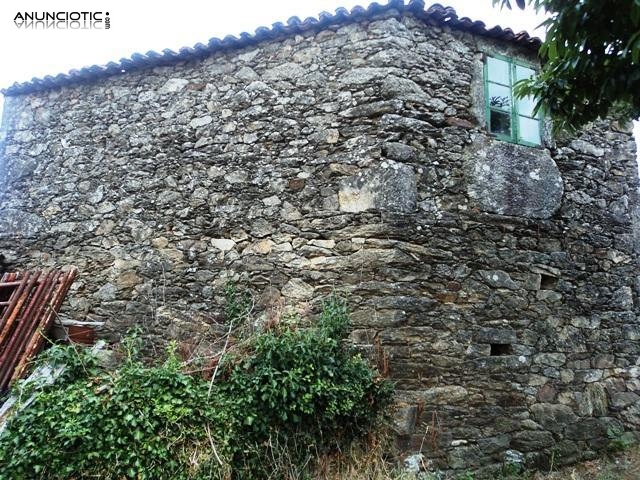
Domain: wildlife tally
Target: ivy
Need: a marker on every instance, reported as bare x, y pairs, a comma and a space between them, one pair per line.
289, 393
135, 422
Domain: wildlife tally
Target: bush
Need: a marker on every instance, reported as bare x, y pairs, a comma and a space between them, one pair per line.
303, 389
136, 422
291, 394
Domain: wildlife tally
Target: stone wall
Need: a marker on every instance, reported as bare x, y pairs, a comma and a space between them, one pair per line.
500, 281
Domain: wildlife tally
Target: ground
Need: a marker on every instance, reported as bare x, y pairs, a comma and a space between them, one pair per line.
624, 466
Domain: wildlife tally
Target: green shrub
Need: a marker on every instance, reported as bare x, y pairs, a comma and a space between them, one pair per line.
304, 388
135, 422
291, 394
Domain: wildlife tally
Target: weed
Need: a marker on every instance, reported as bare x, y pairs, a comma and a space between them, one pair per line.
466, 476
619, 440
511, 470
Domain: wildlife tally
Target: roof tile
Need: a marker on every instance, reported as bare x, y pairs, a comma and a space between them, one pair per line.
436, 12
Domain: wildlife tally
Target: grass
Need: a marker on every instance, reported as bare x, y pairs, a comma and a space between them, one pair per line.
369, 463
623, 466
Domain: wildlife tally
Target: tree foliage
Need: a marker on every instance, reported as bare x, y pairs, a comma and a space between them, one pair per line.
590, 60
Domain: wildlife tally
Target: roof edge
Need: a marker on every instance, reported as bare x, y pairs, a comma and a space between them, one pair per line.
436, 12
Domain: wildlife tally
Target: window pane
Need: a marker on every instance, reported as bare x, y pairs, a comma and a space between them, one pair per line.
526, 106
499, 97
524, 72
498, 71
500, 122
529, 130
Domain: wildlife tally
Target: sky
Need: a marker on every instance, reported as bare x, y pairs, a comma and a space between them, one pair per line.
142, 26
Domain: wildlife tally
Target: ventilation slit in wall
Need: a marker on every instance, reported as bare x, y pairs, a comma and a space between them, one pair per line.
499, 349
547, 282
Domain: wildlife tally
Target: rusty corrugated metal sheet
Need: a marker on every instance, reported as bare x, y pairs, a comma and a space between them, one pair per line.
29, 303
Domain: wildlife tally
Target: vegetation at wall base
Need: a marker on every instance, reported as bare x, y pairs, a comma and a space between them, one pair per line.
278, 403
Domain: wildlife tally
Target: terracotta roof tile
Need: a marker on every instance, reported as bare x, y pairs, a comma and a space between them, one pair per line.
436, 13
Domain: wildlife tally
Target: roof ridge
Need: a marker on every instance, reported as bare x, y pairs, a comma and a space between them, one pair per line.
436, 12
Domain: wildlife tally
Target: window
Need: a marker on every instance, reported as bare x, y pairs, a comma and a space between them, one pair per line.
510, 118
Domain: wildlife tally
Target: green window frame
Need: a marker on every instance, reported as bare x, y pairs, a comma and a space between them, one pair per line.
509, 118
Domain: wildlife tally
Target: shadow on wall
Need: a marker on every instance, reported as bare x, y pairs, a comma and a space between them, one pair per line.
4, 266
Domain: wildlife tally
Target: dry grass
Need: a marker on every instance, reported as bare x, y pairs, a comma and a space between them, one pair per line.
624, 466
369, 459
364, 460
369, 463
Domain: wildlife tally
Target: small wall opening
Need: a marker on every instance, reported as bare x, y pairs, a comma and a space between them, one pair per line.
547, 282
500, 349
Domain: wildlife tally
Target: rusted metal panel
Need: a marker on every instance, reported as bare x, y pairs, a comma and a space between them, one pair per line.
30, 303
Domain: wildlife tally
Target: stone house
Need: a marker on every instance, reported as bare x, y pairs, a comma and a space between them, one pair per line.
379, 152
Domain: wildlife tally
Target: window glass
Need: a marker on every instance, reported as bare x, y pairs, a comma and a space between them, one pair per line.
500, 123
509, 117
498, 71
529, 130
499, 97
524, 72
526, 105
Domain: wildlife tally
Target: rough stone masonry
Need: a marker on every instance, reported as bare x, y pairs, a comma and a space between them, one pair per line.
501, 281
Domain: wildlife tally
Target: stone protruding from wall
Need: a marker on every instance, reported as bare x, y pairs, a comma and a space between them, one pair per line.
391, 187
510, 179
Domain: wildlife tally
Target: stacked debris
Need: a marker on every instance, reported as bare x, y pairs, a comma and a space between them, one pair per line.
29, 303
